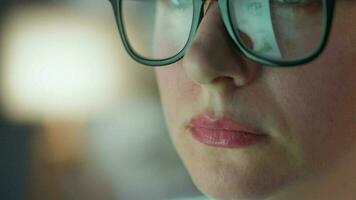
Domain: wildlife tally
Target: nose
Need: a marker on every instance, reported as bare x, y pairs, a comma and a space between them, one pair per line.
213, 58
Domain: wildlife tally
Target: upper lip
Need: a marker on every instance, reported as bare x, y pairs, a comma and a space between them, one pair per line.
221, 123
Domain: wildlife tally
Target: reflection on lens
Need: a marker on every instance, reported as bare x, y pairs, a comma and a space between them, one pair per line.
157, 29
279, 29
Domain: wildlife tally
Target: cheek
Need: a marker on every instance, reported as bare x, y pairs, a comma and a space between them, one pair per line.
319, 101
172, 29
298, 33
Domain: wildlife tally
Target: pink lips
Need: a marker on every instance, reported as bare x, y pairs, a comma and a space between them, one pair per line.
223, 132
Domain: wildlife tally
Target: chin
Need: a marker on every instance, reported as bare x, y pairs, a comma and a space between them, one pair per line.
230, 174
232, 189
230, 184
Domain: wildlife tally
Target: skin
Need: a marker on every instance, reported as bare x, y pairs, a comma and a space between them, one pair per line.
309, 113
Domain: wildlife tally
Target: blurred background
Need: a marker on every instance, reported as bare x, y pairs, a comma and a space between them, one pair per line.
78, 118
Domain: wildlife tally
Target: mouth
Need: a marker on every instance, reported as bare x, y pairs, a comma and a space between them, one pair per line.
223, 132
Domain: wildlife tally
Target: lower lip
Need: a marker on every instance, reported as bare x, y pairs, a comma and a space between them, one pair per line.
225, 138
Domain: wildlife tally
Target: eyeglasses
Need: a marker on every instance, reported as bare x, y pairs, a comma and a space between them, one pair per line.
271, 32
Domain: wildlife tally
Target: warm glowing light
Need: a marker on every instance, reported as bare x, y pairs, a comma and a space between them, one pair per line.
59, 62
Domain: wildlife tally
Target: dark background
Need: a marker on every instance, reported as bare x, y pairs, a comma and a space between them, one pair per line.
14, 141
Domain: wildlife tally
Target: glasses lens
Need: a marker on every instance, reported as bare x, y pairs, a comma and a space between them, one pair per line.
157, 29
284, 30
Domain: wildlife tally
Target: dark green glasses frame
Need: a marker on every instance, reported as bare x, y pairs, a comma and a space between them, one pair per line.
223, 4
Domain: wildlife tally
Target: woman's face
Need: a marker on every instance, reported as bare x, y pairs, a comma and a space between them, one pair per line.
307, 112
